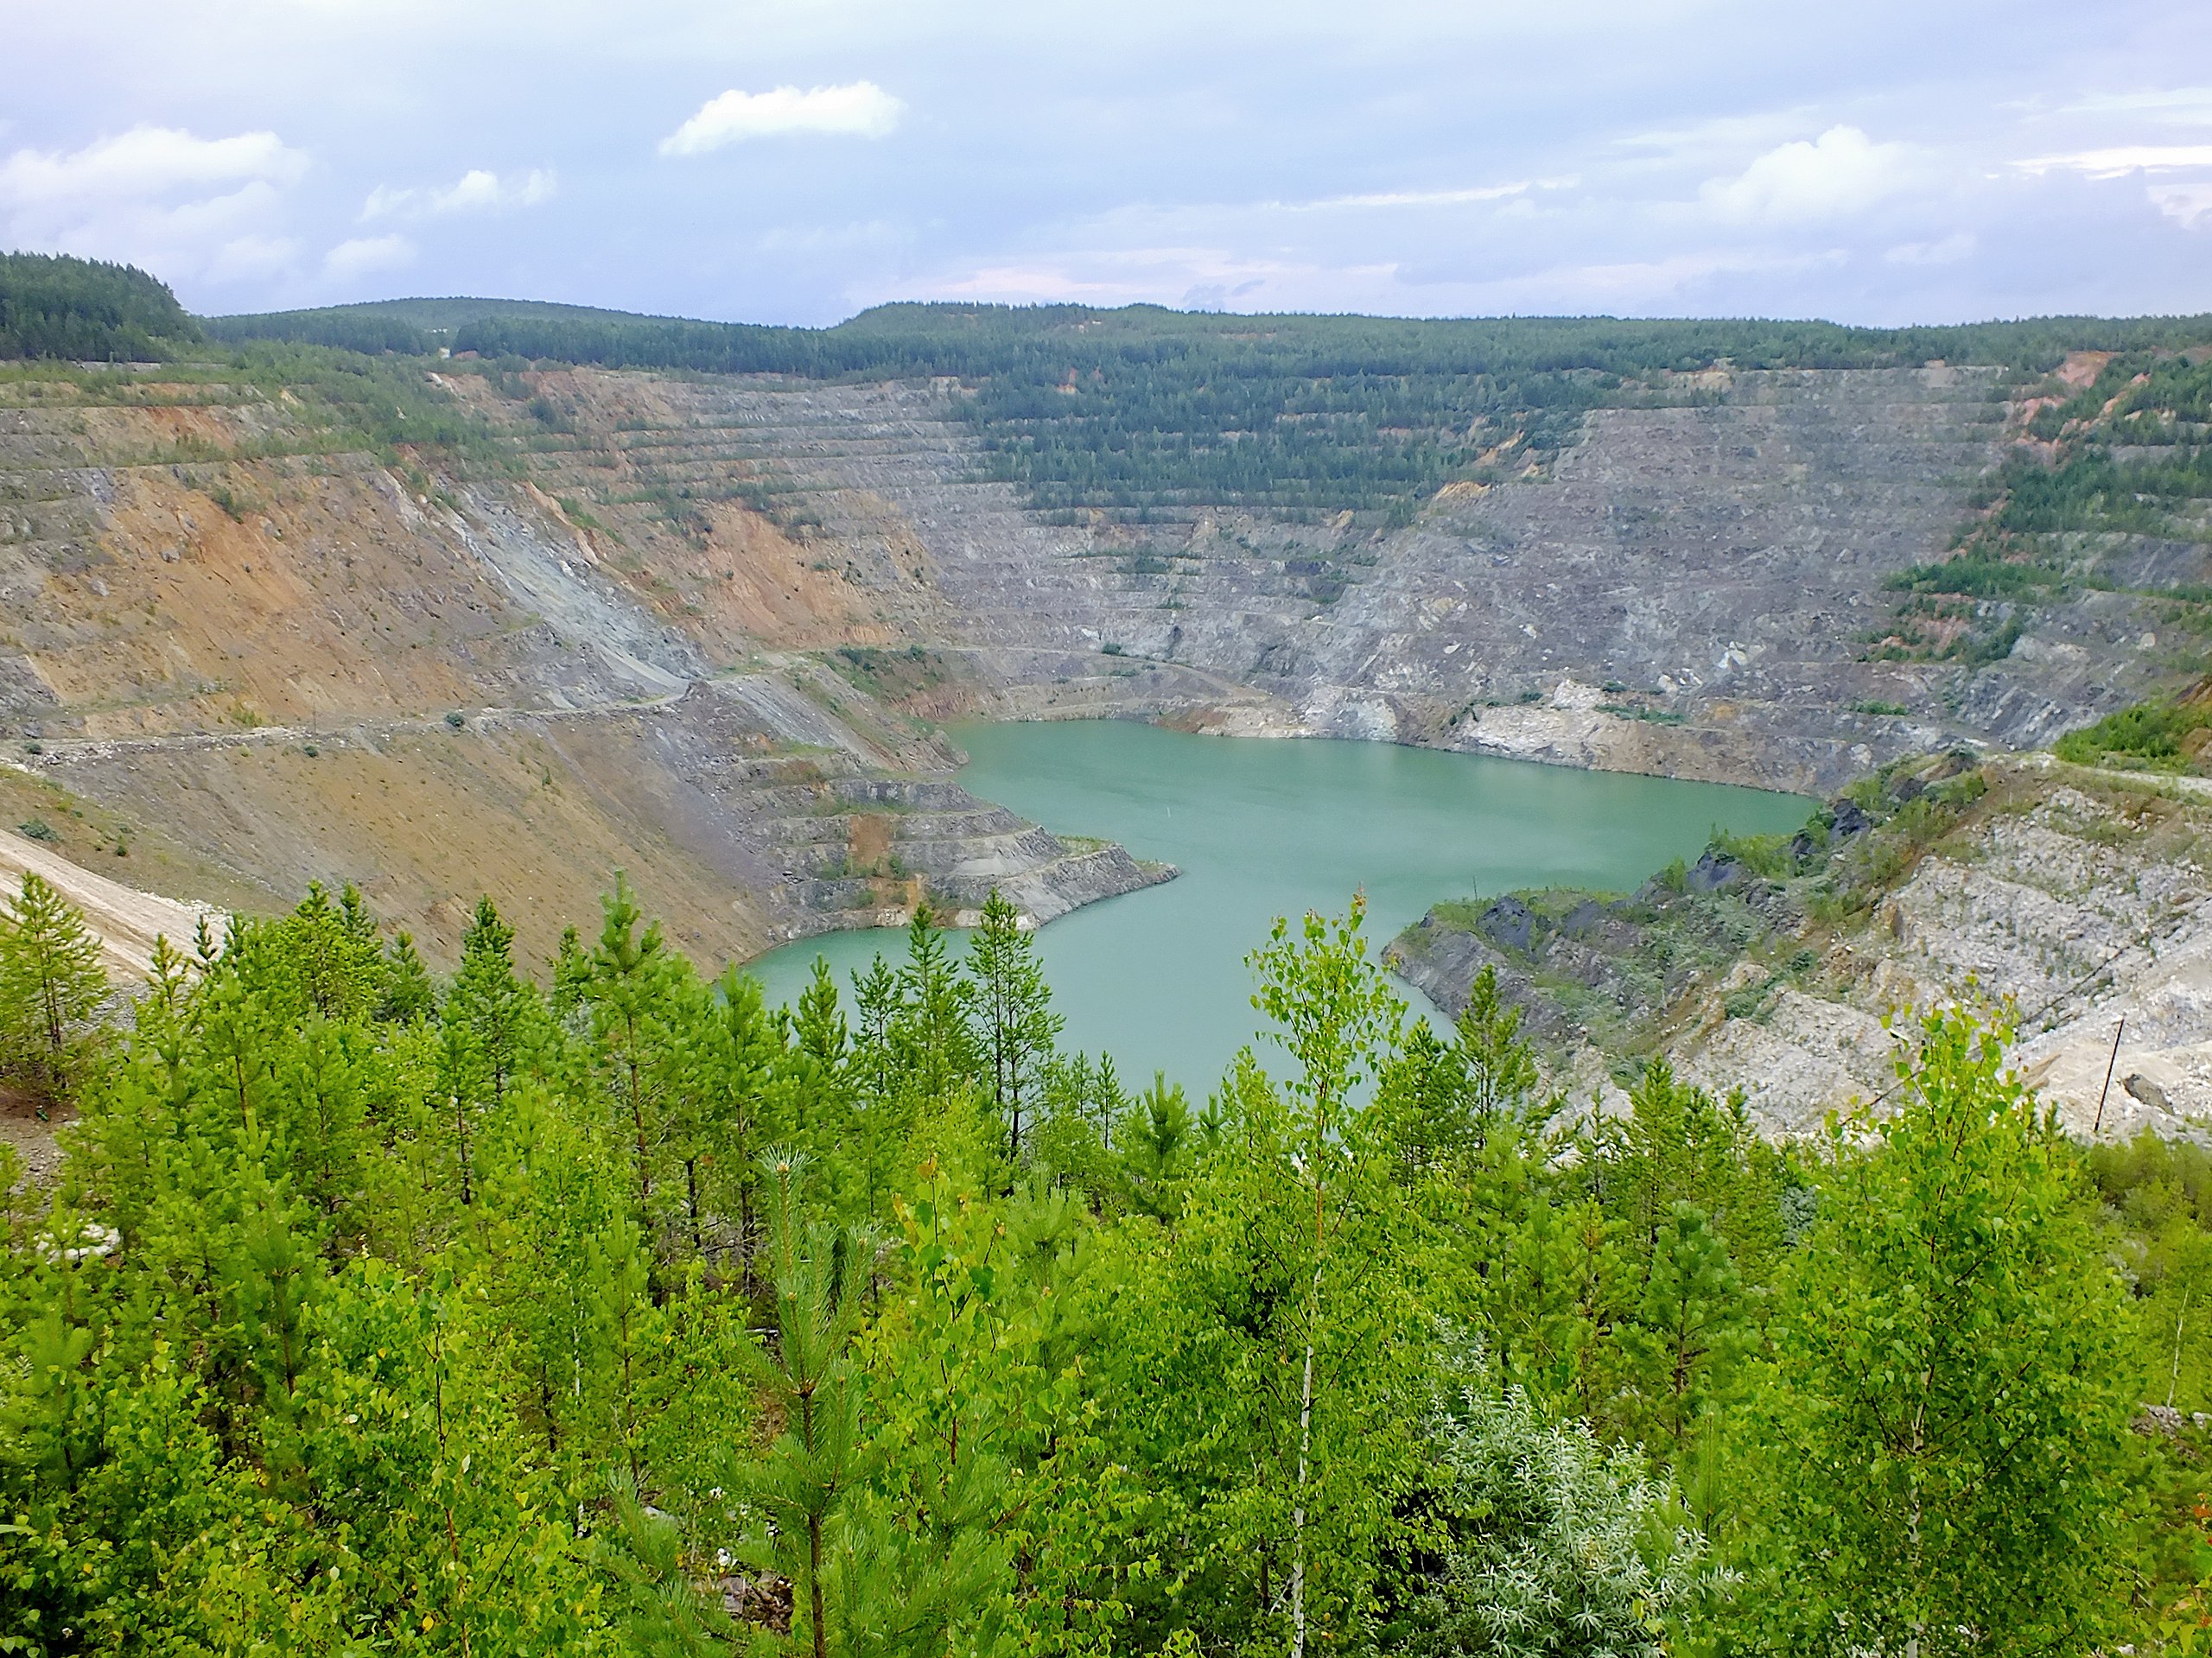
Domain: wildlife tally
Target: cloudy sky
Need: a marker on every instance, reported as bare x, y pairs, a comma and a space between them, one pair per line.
1877, 161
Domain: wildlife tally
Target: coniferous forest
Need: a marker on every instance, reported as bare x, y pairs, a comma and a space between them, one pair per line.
594, 1306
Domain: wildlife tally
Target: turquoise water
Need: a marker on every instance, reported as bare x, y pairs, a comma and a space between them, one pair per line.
1265, 828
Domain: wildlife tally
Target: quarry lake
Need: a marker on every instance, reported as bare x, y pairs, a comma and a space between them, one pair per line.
1263, 828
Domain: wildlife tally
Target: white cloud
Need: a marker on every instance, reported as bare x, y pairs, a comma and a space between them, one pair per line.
1631, 286
477, 190
2121, 159
1841, 172
145, 161
246, 258
1427, 198
365, 254
2188, 204
1154, 275
2183, 107
159, 197
862, 109
1715, 139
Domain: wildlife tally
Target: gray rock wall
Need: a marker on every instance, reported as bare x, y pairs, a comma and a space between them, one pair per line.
1686, 589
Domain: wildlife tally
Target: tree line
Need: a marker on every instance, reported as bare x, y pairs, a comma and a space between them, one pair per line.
88, 310
1141, 410
376, 1310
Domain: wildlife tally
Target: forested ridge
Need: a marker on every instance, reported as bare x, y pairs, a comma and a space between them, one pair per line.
1142, 411
376, 1311
54, 306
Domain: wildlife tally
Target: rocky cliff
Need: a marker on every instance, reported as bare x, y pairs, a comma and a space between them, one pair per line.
254, 662
2072, 903
1691, 588
705, 627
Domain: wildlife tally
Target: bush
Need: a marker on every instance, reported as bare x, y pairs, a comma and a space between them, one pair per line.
1554, 1543
2149, 735
1768, 856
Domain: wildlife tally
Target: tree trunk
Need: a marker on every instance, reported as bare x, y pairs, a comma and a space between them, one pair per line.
1298, 1514
814, 1583
461, 1133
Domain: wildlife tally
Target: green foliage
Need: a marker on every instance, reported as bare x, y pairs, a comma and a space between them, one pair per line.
891, 674
2122, 457
379, 404
51, 985
1979, 575
1552, 1544
376, 1312
53, 305
1950, 1392
1766, 855
1013, 1010
2093, 491
2147, 734
1141, 413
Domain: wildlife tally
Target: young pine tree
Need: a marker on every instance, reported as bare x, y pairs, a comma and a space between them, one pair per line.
933, 1036
635, 990
407, 996
885, 1090
805, 1481
1685, 1336
51, 984
1498, 1063
1013, 1012
742, 1112
487, 1022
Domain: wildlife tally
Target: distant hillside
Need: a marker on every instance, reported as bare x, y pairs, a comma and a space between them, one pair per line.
51, 305
407, 327
1143, 410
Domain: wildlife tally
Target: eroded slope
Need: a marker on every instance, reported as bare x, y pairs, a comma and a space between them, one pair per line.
294, 663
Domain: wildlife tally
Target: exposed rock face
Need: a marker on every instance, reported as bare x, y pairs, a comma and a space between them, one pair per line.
1686, 590
306, 668
1717, 564
2073, 899
704, 582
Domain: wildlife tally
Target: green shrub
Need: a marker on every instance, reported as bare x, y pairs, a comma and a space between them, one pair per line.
2149, 734
1764, 855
